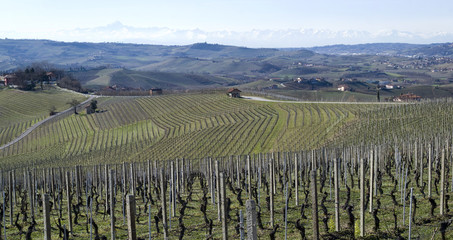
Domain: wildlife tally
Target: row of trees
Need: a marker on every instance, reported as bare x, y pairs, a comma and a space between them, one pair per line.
39, 74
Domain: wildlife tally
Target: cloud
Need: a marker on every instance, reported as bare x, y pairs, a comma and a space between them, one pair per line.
117, 32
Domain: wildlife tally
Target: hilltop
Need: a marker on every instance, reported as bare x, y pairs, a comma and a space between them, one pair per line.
425, 70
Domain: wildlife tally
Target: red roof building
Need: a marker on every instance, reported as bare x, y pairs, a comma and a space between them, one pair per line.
234, 93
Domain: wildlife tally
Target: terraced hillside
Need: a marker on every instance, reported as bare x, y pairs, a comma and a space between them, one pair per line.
167, 127
19, 110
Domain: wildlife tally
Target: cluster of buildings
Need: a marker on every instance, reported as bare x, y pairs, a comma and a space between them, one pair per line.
11, 79
408, 97
7, 79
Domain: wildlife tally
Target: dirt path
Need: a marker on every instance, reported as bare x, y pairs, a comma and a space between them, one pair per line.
253, 98
30, 129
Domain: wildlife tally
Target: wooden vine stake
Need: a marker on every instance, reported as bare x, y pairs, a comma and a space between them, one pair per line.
112, 204
172, 189
442, 184
217, 181
249, 178
223, 205
429, 169
11, 203
410, 213
163, 190
337, 195
296, 181
68, 194
46, 215
130, 209
314, 199
31, 193
250, 206
271, 192
362, 197
371, 162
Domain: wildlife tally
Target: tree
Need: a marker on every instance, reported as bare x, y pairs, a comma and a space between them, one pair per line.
70, 83
74, 103
52, 110
93, 106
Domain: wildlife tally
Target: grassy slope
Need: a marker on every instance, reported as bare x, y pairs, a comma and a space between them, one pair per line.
19, 109
103, 78
173, 126
149, 79
199, 125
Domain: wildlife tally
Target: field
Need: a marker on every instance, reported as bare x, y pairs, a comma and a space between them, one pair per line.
167, 127
404, 149
19, 110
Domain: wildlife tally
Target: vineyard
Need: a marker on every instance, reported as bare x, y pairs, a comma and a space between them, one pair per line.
367, 192
204, 166
176, 126
19, 110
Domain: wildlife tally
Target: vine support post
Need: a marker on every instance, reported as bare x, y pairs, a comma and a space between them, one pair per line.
163, 191
46, 216
410, 214
11, 194
442, 184
337, 195
223, 205
250, 206
296, 181
173, 189
131, 228
362, 197
68, 195
112, 203
271, 192
31, 194
249, 177
371, 162
217, 181
429, 170
314, 199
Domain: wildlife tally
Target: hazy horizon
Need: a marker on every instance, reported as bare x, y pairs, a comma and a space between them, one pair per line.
249, 23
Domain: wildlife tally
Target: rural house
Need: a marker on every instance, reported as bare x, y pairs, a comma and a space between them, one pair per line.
8, 79
155, 91
343, 88
408, 97
234, 93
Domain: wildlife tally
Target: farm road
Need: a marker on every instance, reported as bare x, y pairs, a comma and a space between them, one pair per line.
29, 130
284, 101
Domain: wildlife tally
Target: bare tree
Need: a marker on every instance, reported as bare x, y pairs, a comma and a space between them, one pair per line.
74, 103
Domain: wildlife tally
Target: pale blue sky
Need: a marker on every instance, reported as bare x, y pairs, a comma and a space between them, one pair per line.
38, 18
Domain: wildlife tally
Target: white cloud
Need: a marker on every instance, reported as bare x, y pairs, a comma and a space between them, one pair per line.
117, 32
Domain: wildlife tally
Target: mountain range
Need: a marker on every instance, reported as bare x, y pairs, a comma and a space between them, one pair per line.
118, 32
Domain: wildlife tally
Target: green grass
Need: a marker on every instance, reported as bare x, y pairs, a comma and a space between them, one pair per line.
103, 78
200, 125
328, 95
19, 109
424, 226
190, 126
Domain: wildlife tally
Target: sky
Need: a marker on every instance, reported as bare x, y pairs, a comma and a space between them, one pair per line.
253, 23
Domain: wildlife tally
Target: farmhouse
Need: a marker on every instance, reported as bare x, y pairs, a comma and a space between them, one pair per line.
234, 93
408, 97
7, 79
343, 88
155, 91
